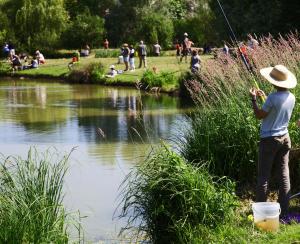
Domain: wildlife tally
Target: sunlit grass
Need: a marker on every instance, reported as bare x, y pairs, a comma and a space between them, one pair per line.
31, 195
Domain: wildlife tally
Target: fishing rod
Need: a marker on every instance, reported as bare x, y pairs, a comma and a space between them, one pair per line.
239, 48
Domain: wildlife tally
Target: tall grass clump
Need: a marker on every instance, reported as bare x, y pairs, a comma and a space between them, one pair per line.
153, 79
107, 53
224, 130
31, 195
91, 73
167, 199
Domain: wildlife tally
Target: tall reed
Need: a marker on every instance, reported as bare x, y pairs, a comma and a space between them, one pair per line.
31, 195
224, 130
166, 199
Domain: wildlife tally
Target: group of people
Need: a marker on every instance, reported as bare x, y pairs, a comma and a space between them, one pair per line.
128, 54
21, 61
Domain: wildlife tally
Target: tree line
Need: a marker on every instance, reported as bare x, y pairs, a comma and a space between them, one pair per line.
69, 24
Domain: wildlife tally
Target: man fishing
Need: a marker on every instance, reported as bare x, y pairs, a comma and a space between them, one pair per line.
275, 142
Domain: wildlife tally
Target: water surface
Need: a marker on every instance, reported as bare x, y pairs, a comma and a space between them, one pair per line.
111, 130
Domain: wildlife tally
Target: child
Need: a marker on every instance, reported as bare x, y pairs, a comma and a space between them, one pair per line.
75, 59
195, 62
131, 58
112, 73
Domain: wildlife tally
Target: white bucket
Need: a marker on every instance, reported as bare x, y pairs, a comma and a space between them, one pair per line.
266, 215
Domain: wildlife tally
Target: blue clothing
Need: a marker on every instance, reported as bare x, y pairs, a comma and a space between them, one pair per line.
279, 106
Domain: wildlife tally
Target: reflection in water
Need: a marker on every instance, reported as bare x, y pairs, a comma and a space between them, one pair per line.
112, 129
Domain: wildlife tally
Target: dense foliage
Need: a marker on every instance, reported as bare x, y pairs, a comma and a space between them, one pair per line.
33, 24
169, 199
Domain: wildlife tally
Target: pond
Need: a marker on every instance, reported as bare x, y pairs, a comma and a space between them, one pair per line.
110, 129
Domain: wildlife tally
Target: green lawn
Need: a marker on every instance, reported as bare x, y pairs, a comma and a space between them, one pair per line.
59, 67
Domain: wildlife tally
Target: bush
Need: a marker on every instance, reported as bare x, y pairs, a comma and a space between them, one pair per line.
152, 79
92, 73
31, 197
168, 199
5, 68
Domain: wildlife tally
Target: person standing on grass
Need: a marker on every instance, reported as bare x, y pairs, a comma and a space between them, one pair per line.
131, 58
275, 143
125, 55
184, 47
105, 44
156, 49
142, 52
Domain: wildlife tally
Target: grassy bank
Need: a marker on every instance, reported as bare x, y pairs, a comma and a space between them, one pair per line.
167, 200
58, 68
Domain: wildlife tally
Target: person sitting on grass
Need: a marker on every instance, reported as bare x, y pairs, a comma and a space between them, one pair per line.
75, 59
15, 62
275, 143
85, 51
40, 57
33, 65
195, 62
112, 73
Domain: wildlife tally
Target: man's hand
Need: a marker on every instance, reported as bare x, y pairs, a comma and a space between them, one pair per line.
261, 93
252, 93
298, 122
256, 92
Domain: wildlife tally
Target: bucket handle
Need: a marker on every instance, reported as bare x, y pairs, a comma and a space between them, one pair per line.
267, 217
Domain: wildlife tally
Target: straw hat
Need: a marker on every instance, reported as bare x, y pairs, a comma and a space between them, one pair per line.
125, 45
279, 76
112, 67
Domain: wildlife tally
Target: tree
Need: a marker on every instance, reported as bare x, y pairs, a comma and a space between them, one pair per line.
85, 28
155, 27
39, 23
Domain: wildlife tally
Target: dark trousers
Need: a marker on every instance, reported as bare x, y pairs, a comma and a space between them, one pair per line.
274, 152
142, 59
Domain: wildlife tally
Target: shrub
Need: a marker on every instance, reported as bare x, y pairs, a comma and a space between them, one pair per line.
92, 73
151, 79
5, 68
31, 197
167, 198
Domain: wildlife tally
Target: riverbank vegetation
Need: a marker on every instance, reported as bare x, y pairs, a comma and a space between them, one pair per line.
222, 140
31, 194
166, 199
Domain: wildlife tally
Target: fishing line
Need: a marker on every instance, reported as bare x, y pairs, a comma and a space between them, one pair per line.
240, 51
